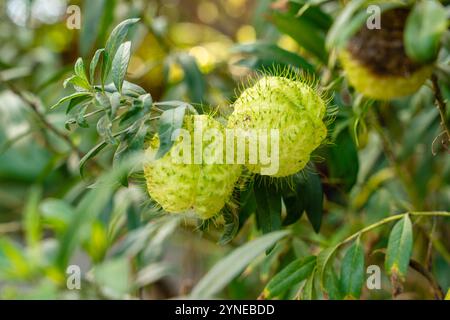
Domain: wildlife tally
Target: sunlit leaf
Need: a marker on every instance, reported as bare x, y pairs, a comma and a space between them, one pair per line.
94, 63
114, 41
120, 64
304, 32
233, 264
192, 77
70, 97
80, 70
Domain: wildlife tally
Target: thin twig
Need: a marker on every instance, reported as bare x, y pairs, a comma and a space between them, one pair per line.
394, 218
437, 290
35, 107
401, 171
429, 257
441, 106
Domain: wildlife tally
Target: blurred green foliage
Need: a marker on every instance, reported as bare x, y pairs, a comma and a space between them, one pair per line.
71, 189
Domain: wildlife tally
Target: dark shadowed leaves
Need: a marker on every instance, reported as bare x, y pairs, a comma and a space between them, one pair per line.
306, 195
268, 208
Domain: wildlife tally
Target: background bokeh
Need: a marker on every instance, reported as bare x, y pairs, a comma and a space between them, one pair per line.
198, 51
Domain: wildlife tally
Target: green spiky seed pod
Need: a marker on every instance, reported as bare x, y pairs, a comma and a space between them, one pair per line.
293, 107
201, 188
375, 61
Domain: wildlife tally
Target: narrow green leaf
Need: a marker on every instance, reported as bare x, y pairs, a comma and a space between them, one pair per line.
323, 260
269, 53
248, 205
268, 208
352, 271
335, 36
424, 29
308, 292
399, 248
230, 228
72, 96
304, 32
114, 41
292, 274
120, 64
233, 264
94, 63
77, 101
342, 160
31, 217
306, 195
92, 153
78, 83
313, 199
192, 77
170, 121
331, 284
294, 206
79, 69
92, 14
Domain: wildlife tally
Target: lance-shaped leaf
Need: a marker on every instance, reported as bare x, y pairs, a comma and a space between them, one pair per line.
94, 63
308, 292
79, 69
352, 271
307, 195
71, 97
268, 208
233, 264
120, 64
114, 41
92, 15
399, 248
192, 77
292, 274
92, 153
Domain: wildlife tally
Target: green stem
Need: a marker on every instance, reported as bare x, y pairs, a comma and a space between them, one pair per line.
390, 219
